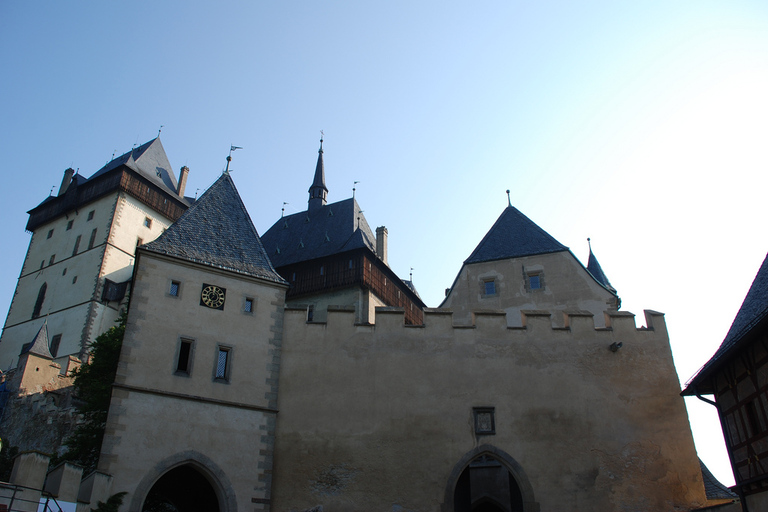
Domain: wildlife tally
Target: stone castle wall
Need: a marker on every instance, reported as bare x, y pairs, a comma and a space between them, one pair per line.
381, 416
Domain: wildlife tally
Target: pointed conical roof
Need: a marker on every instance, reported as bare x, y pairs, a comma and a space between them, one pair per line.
512, 236
39, 345
597, 272
318, 192
217, 231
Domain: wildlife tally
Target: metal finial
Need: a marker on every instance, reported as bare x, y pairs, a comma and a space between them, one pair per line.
509, 200
160, 129
354, 188
196, 191
411, 278
229, 158
51, 192
283, 214
589, 242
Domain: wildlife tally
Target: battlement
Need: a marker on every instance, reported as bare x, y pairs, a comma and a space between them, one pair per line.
437, 319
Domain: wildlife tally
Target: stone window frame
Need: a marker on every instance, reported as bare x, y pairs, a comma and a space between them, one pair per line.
170, 288
249, 301
225, 376
477, 413
182, 342
528, 274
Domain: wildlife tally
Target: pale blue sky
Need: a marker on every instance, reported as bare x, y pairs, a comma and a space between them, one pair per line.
639, 124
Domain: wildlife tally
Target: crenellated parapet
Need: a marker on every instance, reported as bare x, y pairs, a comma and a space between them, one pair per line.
491, 321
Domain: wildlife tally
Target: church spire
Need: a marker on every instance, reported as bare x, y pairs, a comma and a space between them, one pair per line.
318, 192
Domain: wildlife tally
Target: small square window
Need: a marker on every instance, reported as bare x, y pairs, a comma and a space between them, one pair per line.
223, 362
90, 214
174, 289
147, 222
50, 233
485, 420
534, 281
248, 308
184, 361
490, 287
93, 239
55, 341
69, 224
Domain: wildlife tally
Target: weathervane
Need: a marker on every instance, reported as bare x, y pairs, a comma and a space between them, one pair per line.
353, 189
229, 158
283, 214
508, 198
411, 278
159, 130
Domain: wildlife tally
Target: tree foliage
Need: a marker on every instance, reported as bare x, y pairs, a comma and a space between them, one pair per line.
93, 387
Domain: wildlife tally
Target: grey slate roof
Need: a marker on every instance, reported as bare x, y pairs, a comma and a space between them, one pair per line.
217, 231
753, 310
322, 231
712, 486
319, 180
596, 270
39, 345
512, 236
150, 161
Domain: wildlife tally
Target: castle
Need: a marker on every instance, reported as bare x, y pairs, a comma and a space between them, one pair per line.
295, 371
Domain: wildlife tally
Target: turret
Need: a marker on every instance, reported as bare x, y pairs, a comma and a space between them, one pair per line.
318, 192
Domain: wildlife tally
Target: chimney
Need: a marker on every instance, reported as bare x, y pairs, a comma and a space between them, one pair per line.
66, 180
182, 181
381, 243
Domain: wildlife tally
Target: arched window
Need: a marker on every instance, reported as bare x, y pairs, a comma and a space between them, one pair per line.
40, 300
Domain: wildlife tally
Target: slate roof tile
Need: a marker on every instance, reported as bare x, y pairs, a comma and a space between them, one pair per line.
753, 310
316, 233
217, 231
39, 345
512, 236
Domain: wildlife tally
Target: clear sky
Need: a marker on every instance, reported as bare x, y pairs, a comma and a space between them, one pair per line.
639, 124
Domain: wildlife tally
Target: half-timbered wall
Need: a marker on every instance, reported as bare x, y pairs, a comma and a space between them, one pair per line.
355, 268
742, 396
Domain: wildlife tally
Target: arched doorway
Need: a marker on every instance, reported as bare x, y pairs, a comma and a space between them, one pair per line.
488, 480
182, 489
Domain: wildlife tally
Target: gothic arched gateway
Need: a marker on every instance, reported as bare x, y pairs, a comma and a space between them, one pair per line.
487, 479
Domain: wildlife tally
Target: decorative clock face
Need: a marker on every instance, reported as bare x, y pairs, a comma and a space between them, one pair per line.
212, 296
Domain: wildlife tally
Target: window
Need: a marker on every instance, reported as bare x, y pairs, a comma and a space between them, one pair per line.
489, 287
322, 270
485, 420
77, 245
93, 239
184, 361
74, 280
69, 224
223, 363
39, 301
42, 264
147, 222
534, 281
310, 313
174, 289
53, 258
55, 341
50, 233
90, 214
139, 242
248, 308
65, 271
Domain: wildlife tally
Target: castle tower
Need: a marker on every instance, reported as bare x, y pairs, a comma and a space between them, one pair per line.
330, 257
194, 405
80, 258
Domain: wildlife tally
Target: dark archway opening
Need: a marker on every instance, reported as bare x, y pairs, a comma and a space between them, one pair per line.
182, 489
486, 485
